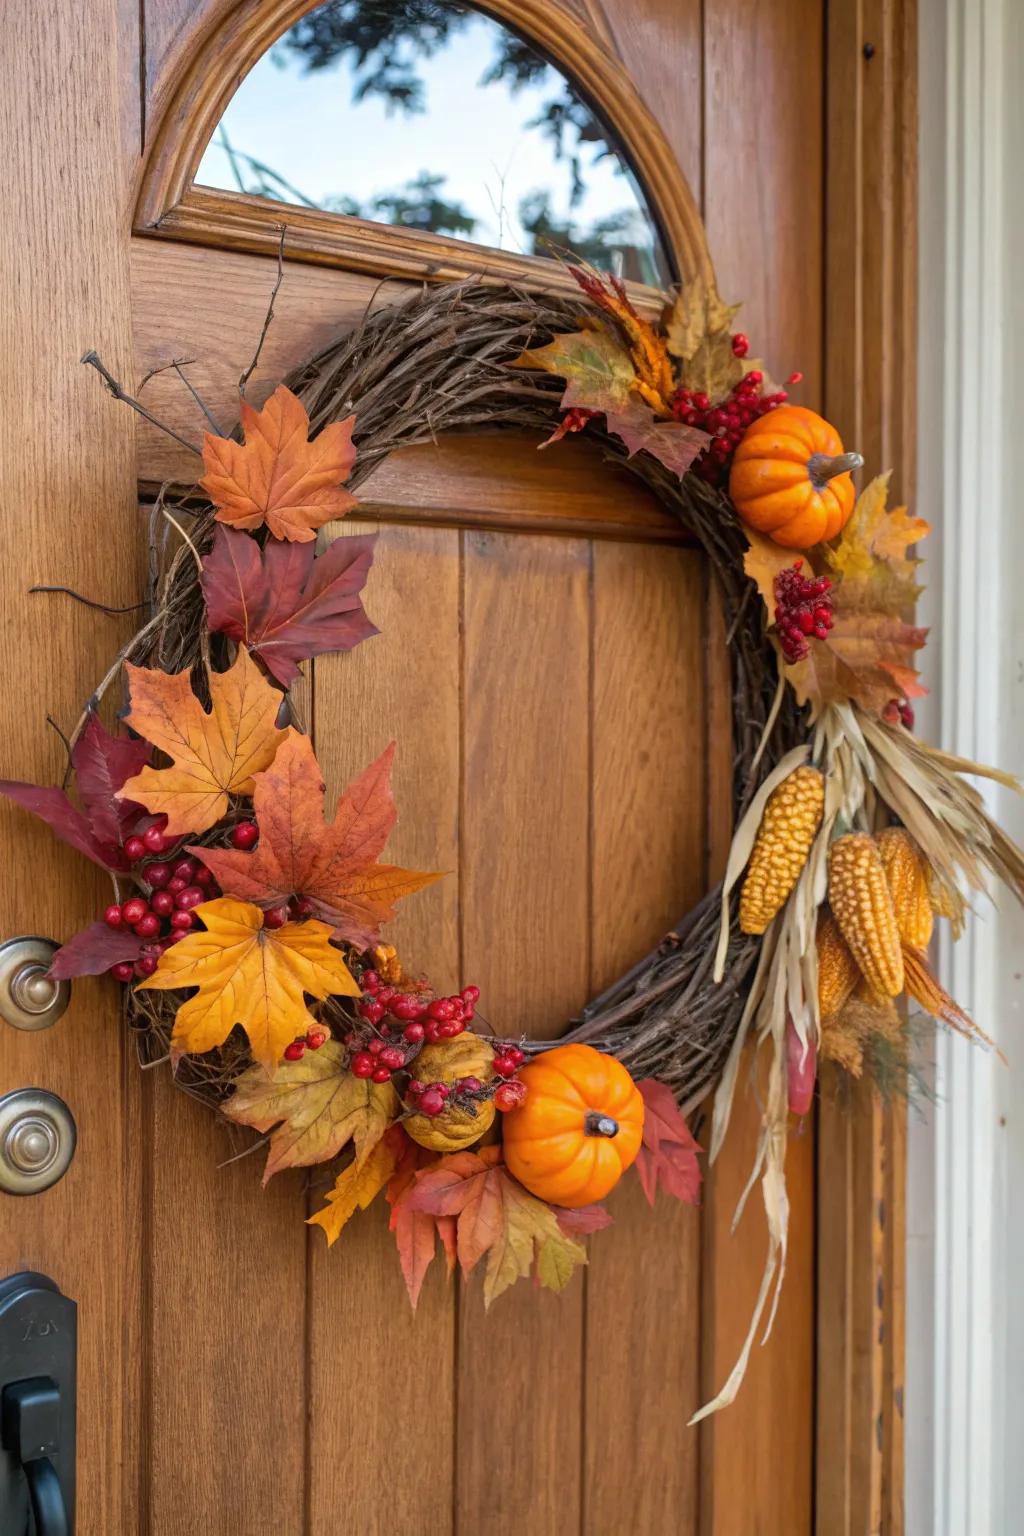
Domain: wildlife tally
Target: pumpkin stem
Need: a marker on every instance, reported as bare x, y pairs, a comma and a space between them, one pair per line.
822, 469
600, 1125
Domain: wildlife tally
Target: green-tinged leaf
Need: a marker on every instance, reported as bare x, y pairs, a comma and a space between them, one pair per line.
598, 371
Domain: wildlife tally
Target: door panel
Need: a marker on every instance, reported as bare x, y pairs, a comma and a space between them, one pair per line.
554, 669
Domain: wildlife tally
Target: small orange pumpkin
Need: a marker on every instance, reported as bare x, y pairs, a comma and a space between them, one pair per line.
579, 1129
791, 479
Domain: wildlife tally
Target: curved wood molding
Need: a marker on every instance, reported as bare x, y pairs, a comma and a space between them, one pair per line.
170, 205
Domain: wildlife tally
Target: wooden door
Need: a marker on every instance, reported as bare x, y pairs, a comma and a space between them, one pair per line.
552, 666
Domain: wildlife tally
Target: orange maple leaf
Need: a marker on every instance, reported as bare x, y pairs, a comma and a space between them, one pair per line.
249, 975
214, 754
359, 1184
332, 865
278, 476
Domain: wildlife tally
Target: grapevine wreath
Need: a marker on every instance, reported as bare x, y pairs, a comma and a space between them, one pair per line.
246, 922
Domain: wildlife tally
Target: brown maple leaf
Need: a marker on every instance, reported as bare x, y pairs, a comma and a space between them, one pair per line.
278, 476
331, 864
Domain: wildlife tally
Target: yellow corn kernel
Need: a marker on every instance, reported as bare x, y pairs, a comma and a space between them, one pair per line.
788, 828
838, 971
858, 894
907, 874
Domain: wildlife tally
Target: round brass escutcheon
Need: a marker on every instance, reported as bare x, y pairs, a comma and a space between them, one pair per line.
37, 1140
30, 998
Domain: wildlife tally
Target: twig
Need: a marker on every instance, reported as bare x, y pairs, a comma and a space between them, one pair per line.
246, 376
90, 602
179, 364
69, 766
94, 361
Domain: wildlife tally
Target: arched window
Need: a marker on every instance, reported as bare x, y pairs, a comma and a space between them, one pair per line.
430, 116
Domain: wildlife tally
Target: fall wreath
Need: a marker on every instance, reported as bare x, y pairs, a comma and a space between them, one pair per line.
246, 920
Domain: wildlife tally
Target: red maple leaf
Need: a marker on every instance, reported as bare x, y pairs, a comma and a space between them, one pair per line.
284, 603
102, 764
668, 1155
332, 864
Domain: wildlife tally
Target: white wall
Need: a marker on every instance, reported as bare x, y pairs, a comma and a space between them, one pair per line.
965, 1240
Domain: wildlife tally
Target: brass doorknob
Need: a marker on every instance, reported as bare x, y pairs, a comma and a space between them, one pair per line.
37, 1140
30, 998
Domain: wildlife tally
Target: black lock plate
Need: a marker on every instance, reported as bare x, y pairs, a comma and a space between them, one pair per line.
37, 1339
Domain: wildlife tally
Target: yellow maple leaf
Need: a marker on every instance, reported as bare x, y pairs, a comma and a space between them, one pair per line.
317, 1105
278, 476
356, 1187
249, 975
214, 754
870, 558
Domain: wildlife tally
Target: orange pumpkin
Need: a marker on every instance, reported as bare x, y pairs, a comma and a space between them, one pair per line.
579, 1129
791, 479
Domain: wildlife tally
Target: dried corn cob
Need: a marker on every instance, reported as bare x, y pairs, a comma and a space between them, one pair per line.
858, 894
838, 971
787, 831
907, 874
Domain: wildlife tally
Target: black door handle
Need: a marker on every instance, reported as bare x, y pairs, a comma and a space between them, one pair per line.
31, 1433
37, 1408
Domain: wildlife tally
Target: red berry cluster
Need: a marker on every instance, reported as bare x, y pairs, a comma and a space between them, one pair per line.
803, 609
899, 712
398, 1024
316, 1036
176, 887
727, 419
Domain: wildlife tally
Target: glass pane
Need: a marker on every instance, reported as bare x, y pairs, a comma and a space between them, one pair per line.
432, 116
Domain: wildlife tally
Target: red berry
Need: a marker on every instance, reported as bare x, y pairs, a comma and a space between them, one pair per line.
134, 909
184, 869
302, 906
275, 918
371, 981
740, 345
392, 1056
413, 1032
112, 916
154, 840
123, 970
906, 713
134, 849
405, 1007
157, 875
372, 1011
182, 921
470, 1084
145, 965
471, 994
295, 1051
515, 1055
176, 883
443, 1089
432, 1032
148, 926
510, 1095
385, 994
375, 1047
381, 1075
316, 1036
205, 877
245, 834
431, 1102
362, 1064
504, 1066
795, 378
190, 897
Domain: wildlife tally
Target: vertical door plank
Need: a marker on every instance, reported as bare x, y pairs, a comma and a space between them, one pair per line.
525, 920
642, 1342
68, 510
227, 1337
763, 175
363, 1335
